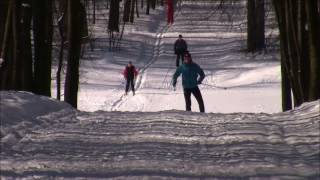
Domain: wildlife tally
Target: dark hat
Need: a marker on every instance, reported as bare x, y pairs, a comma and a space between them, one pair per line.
180, 36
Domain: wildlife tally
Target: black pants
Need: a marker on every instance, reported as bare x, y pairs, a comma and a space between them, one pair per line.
130, 81
179, 55
197, 94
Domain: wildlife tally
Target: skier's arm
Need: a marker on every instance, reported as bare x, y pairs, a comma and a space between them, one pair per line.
125, 73
175, 76
175, 47
202, 75
135, 72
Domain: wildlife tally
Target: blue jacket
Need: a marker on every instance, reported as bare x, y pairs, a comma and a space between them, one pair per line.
190, 73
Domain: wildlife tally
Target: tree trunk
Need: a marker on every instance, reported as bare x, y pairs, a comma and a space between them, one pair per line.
251, 26
255, 28
113, 23
148, 7
304, 47
126, 11
299, 49
72, 76
153, 4
285, 67
6, 50
285, 87
132, 6
62, 41
137, 8
294, 58
6, 30
94, 11
13, 77
26, 73
42, 31
314, 44
3, 16
259, 15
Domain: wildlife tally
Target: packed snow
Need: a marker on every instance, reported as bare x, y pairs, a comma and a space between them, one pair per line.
42, 138
243, 135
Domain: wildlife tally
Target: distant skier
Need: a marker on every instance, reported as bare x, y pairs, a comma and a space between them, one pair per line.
170, 11
180, 47
130, 73
190, 80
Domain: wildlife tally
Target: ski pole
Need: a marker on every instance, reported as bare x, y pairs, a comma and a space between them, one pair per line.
218, 87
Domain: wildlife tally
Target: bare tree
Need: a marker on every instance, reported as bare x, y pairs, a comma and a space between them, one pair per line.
256, 32
74, 39
313, 16
7, 68
299, 60
26, 64
3, 15
42, 32
16, 70
113, 23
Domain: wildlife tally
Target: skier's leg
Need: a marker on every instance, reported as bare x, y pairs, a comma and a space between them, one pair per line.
182, 58
197, 94
127, 85
132, 85
177, 59
187, 98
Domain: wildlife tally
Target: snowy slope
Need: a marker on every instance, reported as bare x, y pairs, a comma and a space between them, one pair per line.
42, 138
235, 81
53, 141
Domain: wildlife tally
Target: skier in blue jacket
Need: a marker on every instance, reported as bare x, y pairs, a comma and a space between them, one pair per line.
192, 76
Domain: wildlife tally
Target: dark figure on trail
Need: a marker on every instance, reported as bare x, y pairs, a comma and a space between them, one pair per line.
190, 81
130, 73
180, 47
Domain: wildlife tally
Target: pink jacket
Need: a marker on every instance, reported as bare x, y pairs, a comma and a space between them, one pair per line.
130, 72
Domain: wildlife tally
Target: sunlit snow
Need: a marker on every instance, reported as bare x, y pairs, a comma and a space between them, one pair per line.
149, 135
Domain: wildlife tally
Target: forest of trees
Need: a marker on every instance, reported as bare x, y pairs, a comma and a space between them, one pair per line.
26, 39
299, 25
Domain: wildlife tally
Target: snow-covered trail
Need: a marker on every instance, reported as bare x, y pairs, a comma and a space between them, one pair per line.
251, 83
143, 71
69, 144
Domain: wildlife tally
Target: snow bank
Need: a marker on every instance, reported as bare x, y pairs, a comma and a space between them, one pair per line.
22, 111
44, 138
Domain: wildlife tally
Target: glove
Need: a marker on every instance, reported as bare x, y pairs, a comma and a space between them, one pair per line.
199, 82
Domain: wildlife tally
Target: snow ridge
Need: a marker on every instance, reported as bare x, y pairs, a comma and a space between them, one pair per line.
162, 145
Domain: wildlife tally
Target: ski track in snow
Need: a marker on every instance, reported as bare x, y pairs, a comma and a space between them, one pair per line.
230, 74
70, 144
141, 77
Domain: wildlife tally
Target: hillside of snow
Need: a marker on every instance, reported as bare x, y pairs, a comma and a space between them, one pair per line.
243, 135
42, 138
